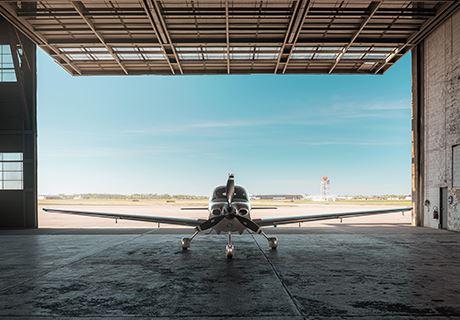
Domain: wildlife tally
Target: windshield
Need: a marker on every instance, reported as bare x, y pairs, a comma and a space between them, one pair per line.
219, 194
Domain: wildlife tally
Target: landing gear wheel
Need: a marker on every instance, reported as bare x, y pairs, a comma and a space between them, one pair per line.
229, 251
185, 243
273, 243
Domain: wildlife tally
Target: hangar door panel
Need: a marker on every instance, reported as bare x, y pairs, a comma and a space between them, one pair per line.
456, 166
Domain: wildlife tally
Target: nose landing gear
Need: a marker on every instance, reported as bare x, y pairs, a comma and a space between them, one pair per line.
229, 251
229, 247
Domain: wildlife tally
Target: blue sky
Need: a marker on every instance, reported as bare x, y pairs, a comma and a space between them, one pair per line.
278, 134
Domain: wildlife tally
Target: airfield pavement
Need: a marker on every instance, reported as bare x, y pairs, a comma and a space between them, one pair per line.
358, 269
53, 220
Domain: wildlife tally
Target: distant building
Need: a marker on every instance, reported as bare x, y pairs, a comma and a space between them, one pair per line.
279, 196
320, 198
344, 197
52, 197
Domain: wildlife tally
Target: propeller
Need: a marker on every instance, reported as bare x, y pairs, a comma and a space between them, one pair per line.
208, 224
248, 223
229, 211
230, 189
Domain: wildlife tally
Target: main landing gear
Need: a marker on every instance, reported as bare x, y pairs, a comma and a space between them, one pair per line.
185, 242
272, 241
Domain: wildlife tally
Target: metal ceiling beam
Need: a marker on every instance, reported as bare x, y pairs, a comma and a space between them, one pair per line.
296, 36
24, 57
18, 68
239, 41
217, 12
443, 13
28, 30
282, 28
373, 7
294, 17
158, 23
148, 12
79, 6
192, 26
227, 35
267, 70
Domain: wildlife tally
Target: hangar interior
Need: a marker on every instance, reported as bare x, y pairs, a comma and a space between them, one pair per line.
172, 37
341, 271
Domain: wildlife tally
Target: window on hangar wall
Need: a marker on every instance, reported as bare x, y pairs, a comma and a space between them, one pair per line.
7, 72
11, 171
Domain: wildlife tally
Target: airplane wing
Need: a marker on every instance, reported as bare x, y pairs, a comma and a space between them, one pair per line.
326, 216
195, 208
264, 208
116, 216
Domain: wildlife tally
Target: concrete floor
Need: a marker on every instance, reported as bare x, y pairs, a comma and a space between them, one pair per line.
345, 271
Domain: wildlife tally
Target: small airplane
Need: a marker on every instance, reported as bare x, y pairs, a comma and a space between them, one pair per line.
230, 212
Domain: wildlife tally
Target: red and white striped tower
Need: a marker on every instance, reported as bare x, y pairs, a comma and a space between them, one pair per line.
324, 188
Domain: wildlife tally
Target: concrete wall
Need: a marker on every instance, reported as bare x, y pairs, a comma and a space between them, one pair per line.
441, 72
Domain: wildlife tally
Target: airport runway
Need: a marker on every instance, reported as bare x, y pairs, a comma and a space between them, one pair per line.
340, 271
53, 220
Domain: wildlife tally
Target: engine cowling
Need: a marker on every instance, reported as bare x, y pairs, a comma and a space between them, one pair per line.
243, 211
216, 211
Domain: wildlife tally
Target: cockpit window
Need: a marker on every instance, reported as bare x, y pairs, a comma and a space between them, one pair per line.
219, 194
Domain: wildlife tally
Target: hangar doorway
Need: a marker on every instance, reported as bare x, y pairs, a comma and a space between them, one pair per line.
303, 37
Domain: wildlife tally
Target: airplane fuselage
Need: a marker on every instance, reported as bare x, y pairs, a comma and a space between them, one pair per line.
219, 206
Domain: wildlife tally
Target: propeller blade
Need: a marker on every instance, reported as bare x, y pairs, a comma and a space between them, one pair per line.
208, 224
248, 223
230, 189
